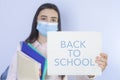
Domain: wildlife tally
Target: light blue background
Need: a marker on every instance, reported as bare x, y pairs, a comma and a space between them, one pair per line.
83, 15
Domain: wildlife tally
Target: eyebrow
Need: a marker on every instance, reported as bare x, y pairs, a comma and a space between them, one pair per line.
46, 16
54, 17
43, 16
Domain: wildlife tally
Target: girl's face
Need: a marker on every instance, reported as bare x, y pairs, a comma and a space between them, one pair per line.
48, 15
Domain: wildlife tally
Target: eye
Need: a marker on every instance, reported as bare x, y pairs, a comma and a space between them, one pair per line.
53, 20
43, 18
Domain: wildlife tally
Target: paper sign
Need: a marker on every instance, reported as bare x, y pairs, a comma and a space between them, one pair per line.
73, 53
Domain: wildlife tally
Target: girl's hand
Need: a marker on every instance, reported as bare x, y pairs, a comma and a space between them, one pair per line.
102, 61
40, 72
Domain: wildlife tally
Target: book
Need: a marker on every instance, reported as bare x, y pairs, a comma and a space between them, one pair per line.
32, 52
27, 68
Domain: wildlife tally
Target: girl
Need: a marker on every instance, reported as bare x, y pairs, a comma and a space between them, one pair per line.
47, 18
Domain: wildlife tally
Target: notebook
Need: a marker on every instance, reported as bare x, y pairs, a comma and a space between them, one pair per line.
27, 68
33, 53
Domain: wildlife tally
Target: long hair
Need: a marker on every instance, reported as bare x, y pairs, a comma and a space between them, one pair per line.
34, 32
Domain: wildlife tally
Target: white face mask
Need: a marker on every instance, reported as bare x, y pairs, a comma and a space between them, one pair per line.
44, 27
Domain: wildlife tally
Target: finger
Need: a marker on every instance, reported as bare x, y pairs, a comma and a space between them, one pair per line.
91, 76
98, 58
101, 63
104, 55
40, 72
101, 59
102, 67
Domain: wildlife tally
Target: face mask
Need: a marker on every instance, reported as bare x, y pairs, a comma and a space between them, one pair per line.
44, 27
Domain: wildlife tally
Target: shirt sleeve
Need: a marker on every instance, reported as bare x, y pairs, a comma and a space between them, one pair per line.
12, 72
12, 69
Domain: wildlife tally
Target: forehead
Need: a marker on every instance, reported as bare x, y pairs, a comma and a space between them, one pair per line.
48, 12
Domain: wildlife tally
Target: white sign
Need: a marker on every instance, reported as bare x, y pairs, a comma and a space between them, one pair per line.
73, 53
